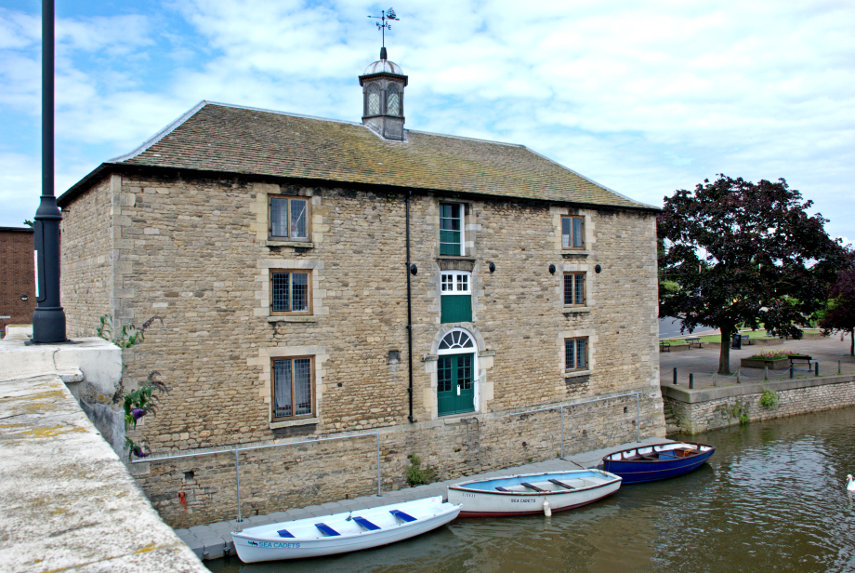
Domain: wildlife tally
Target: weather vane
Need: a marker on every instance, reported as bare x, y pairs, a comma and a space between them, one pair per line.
383, 25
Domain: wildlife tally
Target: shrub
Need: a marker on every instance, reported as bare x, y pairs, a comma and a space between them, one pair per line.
769, 399
772, 354
416, 475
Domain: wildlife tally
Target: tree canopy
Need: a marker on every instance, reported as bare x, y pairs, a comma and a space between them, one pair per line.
736, 252
840, 314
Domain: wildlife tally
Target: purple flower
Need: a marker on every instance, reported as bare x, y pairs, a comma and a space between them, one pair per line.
138, 413
138, 452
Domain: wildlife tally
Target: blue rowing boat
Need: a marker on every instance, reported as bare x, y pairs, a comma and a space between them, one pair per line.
657, 461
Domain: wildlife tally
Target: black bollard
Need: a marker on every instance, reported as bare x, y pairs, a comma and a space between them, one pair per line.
675, 376
691, 380
791, 370
816, 368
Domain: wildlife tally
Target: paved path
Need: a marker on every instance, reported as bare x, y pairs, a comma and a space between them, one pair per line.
703, 362
214, 540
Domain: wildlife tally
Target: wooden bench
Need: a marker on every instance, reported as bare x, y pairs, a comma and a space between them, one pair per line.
693, 341
664, 346
801, 359
746, 340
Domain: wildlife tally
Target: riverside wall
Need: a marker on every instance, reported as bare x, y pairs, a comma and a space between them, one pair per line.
700, 410
67, 501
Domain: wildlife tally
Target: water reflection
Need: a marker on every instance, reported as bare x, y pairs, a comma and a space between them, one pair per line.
772, 498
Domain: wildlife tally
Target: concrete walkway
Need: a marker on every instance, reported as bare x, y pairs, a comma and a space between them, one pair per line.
703, 362
214, 541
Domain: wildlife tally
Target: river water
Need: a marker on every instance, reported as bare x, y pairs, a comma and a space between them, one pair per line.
772, 498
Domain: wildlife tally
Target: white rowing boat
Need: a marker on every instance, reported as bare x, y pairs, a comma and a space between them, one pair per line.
343, 532
532, 493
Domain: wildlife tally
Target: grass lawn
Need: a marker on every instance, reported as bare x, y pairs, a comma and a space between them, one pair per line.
754, 334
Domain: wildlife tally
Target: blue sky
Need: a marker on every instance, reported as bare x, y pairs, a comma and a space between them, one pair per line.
643, 97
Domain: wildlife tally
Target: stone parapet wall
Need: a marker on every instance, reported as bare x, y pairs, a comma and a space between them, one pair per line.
712, 408
201, 489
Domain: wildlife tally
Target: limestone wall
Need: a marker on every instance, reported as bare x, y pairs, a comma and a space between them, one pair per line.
712, 408
290, 476
196, 253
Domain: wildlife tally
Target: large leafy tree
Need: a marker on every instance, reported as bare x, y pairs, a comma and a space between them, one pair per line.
840, 315
737, 252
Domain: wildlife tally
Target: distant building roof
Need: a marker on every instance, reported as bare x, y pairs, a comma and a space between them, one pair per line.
215, 137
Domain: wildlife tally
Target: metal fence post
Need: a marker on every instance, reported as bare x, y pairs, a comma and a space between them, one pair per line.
638, 415
237, 483
378, 464
562, 432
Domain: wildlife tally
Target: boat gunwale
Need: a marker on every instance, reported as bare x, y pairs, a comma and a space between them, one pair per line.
608, 458
608, 480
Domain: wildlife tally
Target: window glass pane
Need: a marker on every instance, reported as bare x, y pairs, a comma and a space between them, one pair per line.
580, 289
447, 282
282, 388
565, 232
578, 232
450, 225
581, 353
443, 374
463, 283
569, 354
464, 371
300, 292
393, 102
279, 292
373, 100
568, 289
278, 217
298, 218
302, 386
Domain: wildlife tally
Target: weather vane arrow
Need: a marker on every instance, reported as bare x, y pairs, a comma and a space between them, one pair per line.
383, 24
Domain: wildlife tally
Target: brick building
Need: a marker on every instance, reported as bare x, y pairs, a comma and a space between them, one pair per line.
466, 301
17, 277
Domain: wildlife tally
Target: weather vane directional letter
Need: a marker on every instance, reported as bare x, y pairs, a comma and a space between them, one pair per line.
383, 25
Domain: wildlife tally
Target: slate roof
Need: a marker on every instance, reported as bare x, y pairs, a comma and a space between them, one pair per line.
231, 139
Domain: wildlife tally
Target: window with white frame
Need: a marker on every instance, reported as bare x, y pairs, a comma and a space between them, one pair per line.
576, 353
573, 232
290, 292
289, 218
574, 289
293, 382
451, 229
456, 291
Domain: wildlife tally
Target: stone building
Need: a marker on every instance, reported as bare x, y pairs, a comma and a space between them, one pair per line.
468, 302
17, 277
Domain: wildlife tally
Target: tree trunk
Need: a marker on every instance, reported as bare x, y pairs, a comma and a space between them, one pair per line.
727, 333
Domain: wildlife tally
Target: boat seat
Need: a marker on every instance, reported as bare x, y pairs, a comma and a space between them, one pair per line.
561, 484
531, 486
365, 523
284, 533
327, 530
500, 488
403, 516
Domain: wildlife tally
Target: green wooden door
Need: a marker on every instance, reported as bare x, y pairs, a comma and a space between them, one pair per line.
455, 389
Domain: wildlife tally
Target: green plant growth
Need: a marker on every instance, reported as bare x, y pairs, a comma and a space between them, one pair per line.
736, 411
769, 400
139, 403
125, 336
416, 474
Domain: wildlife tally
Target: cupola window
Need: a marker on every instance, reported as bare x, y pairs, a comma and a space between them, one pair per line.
373, 100
393, 101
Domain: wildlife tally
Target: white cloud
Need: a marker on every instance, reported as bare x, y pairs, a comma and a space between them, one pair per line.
644, 99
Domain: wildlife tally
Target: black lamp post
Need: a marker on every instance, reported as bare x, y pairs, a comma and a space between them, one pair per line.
48, 318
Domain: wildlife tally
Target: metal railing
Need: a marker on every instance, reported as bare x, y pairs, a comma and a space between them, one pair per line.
561, 407
238, 449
